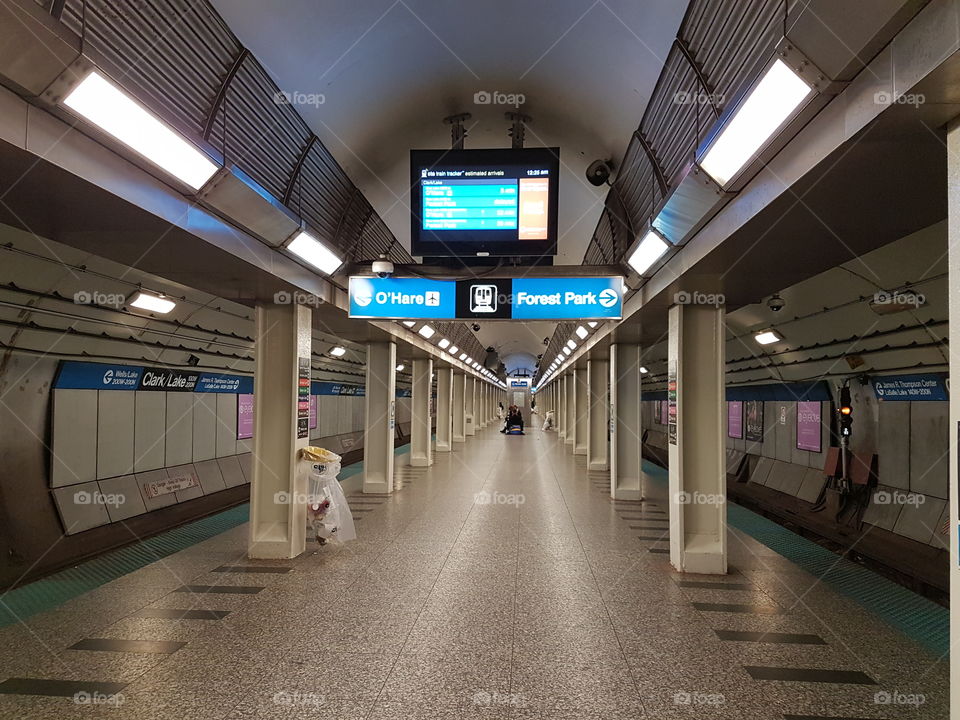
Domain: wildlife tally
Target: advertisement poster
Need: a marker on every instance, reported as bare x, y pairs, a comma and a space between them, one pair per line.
662, 412
313, 411
735, 419
244, 417
808, 426
754, 420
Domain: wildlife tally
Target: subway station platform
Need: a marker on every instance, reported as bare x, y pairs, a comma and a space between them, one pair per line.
502, 582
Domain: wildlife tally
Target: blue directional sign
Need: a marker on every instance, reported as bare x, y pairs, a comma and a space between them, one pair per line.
930, 387
590, 298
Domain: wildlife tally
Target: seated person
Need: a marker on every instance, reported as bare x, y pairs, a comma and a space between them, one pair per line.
514, 418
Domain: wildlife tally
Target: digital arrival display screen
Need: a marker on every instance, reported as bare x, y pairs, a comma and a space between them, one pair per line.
484, 202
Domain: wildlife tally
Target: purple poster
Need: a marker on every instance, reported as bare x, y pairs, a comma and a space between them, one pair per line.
244, 417
808, 426
735, 419
664, 412
313, 411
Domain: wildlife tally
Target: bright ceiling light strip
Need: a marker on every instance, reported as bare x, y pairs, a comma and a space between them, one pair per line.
338, 351
427, 331
650, 249
309, 249
571, 344
453, 349
766, 337
153, 303
443, 343
105, 105
400, 367
566, 351
774, 99
643, 370
582, 332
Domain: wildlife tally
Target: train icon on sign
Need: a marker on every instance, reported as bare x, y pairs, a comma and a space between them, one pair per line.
483, 298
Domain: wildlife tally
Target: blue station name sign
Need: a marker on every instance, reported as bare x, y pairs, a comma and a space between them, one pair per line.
599, 298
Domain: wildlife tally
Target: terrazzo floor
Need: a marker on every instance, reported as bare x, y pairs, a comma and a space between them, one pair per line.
502, 582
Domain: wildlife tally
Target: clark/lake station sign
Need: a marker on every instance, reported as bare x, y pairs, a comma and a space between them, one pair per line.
559, 298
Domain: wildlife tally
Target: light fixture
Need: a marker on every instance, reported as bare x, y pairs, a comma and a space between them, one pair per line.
400, 367
153, 303
108, 107
559, 358
582, 332
765, 337
463, 356
338, 351
778, 94
648, 252
593, 324
643, 370
566, 351
427, 331
571, 344
453, 349
310, 250
444, 343
409, 323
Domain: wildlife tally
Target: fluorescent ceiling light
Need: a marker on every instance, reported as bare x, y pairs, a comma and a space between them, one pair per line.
571, 344
582, 332
643, 370
559, 358
463, 356
409, 323
338, 351
453, 349
648, 252
443, 343
427, 331
400, 367
566, 351
153, 303
593, 324
309, 249
774, 99
766, 337
116, 113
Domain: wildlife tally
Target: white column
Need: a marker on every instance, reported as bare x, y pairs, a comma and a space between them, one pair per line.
421, 450
278, 511
626, 430
459, 407
580, 408
444, 409
953, 284
470, 403
598, 432
696, 430
482, 400
381, 412
568, 408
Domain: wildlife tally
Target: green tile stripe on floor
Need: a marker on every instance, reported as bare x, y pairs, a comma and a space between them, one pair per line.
922, 620
54, 590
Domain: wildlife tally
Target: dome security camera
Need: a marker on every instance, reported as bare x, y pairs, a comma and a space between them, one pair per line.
598, 172
776, 303
476, 327
382, 268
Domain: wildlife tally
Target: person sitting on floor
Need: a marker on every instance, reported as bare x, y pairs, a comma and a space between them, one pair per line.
514, 418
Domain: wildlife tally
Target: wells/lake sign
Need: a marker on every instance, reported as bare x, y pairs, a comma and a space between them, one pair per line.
598, 298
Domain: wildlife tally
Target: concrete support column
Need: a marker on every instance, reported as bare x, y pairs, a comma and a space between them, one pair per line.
598, 432
459, 407
580, 410
484, 388
444, 409
568, 407
278, 511
421, 445
380, 418
696, 433
626, 430
953, 283
470, 403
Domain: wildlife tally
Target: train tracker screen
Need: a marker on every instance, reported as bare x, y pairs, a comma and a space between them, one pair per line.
484, 202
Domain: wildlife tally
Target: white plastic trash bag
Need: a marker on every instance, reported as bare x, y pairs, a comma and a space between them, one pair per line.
328, 513
548, 421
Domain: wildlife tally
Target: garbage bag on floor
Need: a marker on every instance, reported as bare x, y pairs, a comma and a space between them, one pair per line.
548, 421
328, 513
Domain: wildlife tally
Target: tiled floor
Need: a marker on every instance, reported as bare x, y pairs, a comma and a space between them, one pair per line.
500, 583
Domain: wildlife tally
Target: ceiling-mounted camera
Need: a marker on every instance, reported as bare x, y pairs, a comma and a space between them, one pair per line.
776, 303
598, 172
383, 267
476, 327
546, 341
